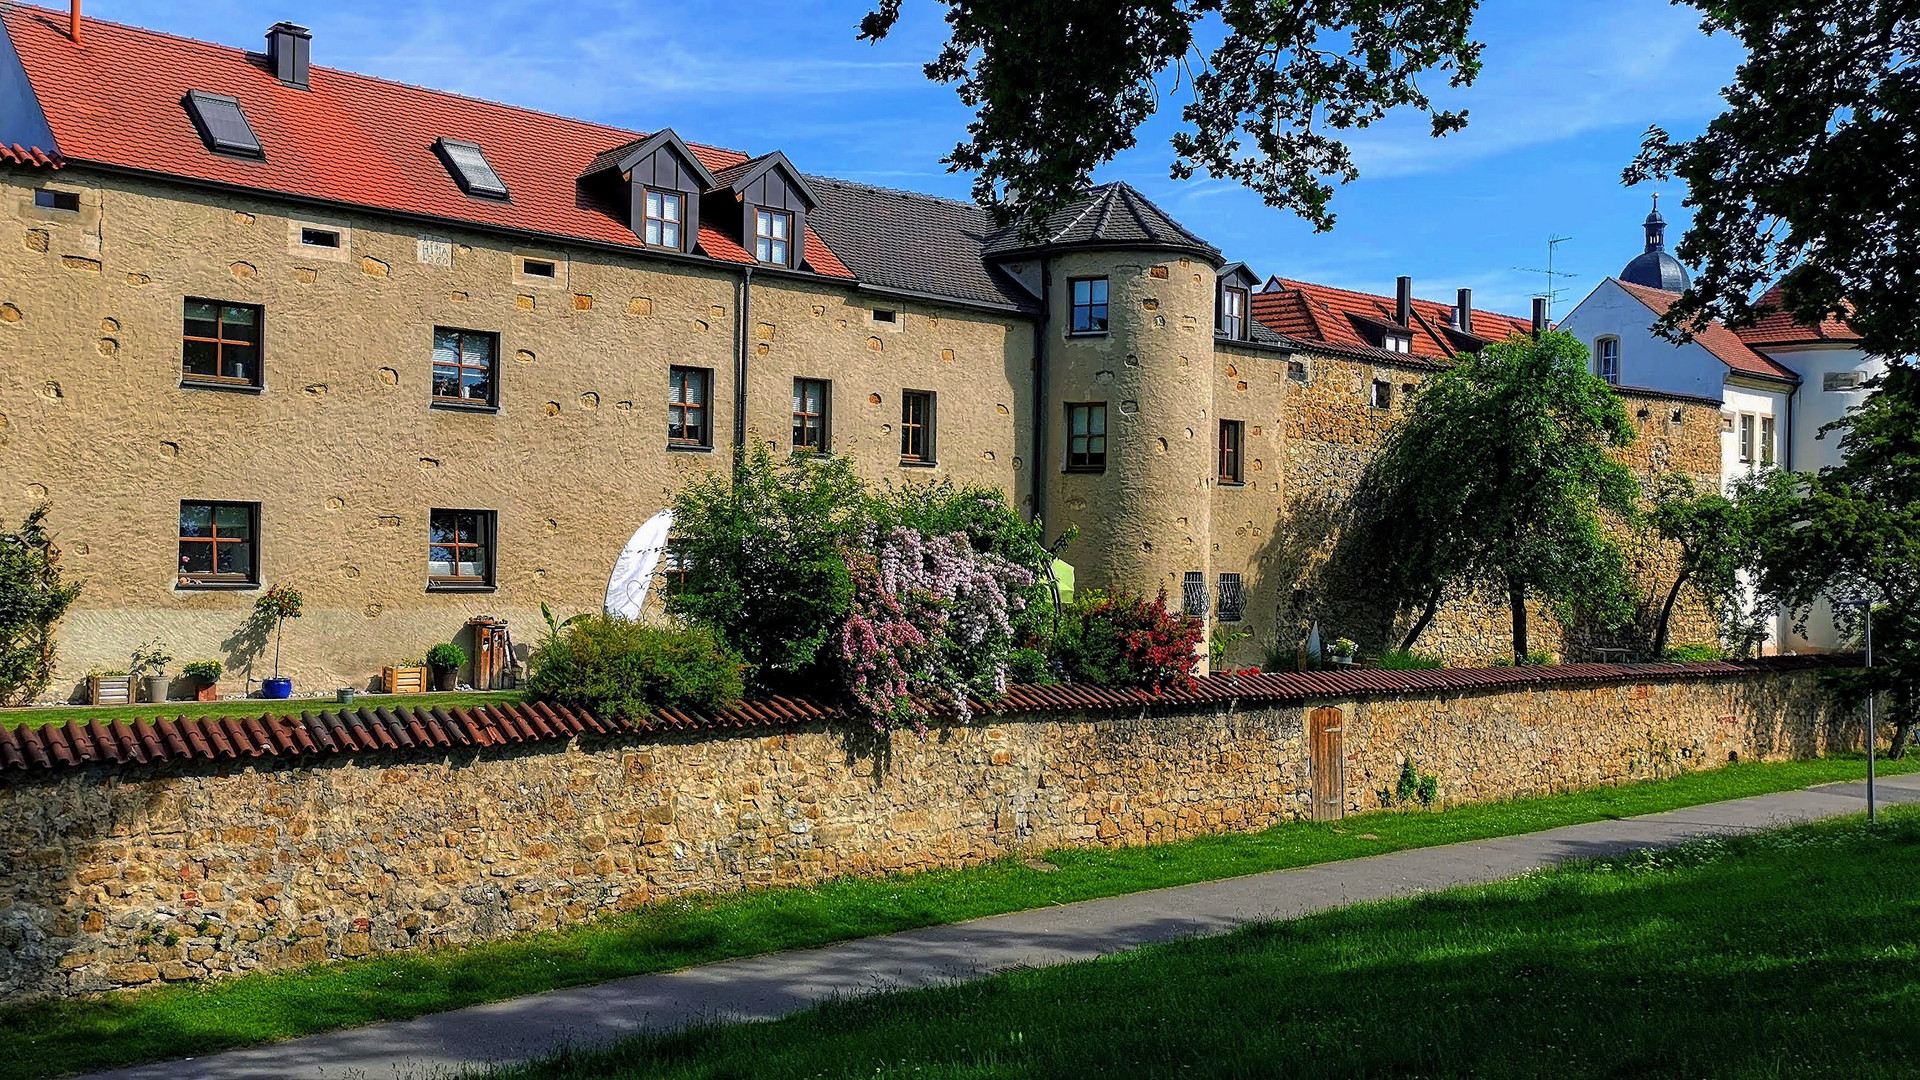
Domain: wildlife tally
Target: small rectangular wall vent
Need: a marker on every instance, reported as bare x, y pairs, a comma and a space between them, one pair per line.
222, 125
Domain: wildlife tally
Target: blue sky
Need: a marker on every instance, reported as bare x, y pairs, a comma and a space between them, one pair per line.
1567, 91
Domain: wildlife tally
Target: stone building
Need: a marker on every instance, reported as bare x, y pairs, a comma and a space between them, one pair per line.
429, 358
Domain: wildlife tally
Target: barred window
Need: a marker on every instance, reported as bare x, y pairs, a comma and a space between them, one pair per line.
1232, 598
1193, 593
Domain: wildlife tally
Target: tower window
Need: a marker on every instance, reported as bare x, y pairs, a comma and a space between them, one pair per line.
1193, 594
1606, 360
1089, 305
1087, 437
1233, 599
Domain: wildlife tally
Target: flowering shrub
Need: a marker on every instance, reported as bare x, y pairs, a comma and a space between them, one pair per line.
932, 623
1122, 639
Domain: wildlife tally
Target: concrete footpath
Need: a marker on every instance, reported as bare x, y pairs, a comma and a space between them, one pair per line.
765, 987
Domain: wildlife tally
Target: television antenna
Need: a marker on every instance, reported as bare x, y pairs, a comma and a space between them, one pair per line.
1553, 292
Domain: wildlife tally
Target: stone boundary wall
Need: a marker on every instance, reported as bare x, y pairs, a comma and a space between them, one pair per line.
117, 876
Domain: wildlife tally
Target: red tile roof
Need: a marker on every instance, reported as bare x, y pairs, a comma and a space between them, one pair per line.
77, 744
1331, 316
1776, 327
1715, 338
114, 99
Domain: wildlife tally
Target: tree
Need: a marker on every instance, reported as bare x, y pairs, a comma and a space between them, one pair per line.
1828, 97
32, 599
1850, 536
1500, 474
762, 551
1713, 537
1058, 87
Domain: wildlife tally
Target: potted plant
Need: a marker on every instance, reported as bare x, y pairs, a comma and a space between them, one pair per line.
279, 604
446, 659
206, 677
109, 687
1342, 651
150, 662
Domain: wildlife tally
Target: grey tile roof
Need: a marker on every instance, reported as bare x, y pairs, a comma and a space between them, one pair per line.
911, 242
1111, 214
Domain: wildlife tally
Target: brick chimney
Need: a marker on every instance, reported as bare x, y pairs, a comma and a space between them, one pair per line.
1463, 310
1403, 300
287, 50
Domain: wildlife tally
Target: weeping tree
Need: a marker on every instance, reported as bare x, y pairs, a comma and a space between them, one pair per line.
1500, 477
1058, 87
1712, 538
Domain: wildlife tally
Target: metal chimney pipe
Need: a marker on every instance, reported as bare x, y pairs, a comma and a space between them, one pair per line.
1463, 310
73, 20
1403, 300
1539, 315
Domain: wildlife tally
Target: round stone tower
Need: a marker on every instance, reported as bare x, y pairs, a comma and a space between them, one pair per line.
1127, 450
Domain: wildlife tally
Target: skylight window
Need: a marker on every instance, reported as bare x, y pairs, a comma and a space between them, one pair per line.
470, 169
222, 125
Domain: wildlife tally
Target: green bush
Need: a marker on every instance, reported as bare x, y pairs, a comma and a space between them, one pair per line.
1536, 658
1409, 660
1696, 654
762, 551
611, 667
1122, 639
446, 656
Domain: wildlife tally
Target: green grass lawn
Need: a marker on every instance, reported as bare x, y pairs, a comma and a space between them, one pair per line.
22, 717
55, 1038
1781, 954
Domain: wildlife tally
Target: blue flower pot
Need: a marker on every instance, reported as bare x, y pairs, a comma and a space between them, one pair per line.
276, 688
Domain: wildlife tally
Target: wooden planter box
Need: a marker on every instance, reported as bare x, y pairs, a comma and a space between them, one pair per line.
110, 689
405, 680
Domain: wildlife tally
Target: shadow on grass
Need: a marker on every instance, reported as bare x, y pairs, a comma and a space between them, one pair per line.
1787, 954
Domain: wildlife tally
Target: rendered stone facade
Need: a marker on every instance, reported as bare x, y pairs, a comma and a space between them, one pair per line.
114, 877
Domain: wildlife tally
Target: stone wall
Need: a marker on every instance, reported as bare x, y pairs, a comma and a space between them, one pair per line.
114, 877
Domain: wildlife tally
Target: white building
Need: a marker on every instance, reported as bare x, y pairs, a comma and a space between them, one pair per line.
1778, 382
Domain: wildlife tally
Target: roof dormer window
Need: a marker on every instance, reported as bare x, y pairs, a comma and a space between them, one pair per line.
222, 126
1400, 343
1233, 313
772, 233
469, 167
664, 213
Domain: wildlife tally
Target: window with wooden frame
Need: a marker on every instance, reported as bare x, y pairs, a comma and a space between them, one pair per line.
916, 427
1089, 304
689, 407
463, 367
460, 548
220, 343
772, 236
1766, 440
1087, 436
1233, 313
1232, 444
812, 402
664, 212
219, 546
